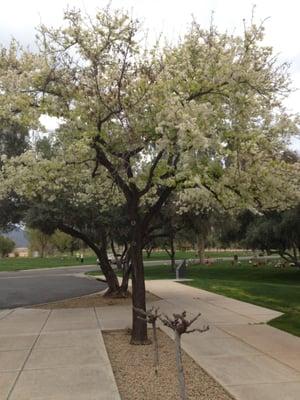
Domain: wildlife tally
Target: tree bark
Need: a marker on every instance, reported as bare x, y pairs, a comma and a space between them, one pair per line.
149, 251
118, 258
109, 273
127, 268
139, 326
181, 379
101, 253
156, 355
172, 253
201, 248
110, 276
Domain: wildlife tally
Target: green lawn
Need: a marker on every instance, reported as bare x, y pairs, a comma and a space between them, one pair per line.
162, 255
16, 264
278, 289
266, 286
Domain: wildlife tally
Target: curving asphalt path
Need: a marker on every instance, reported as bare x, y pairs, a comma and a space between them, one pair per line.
24, 288
35, 286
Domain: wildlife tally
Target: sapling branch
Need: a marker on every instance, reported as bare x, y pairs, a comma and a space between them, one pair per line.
151, 317
179, 324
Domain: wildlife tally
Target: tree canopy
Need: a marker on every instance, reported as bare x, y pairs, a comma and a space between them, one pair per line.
140, 124
277, 233
6, 246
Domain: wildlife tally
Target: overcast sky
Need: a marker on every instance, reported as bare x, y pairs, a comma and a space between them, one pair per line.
18, 18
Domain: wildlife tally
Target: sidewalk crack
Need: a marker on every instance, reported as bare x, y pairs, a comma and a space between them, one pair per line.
28, 355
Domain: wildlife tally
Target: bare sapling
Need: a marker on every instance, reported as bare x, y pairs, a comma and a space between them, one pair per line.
179, 324
151, 317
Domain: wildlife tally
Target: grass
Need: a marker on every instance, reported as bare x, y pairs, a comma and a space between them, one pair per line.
264, 286
162, 255
278, 289
17, 264
22, 263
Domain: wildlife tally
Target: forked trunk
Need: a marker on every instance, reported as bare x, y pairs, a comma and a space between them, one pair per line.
101, 252
108, 272
149, 251
126, 275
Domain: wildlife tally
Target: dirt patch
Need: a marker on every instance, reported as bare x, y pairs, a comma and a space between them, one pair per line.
136, 379
93, 300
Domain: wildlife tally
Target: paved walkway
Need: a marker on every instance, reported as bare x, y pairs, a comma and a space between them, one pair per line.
54, 355
252, 360
60, 354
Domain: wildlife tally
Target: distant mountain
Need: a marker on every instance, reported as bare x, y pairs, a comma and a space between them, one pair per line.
18, 236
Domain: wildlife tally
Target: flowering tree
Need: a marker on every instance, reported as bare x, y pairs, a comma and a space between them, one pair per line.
15, 122
206, 112
62, 195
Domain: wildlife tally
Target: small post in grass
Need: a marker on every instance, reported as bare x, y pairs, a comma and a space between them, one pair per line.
179, 324
151, 317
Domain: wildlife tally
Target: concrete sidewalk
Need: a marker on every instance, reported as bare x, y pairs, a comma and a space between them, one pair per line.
54, 355
60, 354
250, 359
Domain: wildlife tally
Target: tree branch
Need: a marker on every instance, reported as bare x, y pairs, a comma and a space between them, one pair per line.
151, 173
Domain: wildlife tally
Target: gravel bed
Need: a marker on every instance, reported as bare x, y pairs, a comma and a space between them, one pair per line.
93, 300
136, 379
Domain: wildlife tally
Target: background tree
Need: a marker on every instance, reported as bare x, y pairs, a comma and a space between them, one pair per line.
198, 210
14, 140
277, 233
6, 246
84, 221
163, 230
19, 112
64, 243
232, 228
39, 241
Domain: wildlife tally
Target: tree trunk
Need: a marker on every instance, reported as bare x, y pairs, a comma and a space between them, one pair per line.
181, 379
201, 248
110, 276
296, 259
172, 253
118, 259
139, 326
101, 253
126, 275
149, 251
155, 342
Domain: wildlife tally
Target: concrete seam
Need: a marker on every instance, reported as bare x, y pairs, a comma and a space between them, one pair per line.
112, 372
28, 355
245, 342
263, 353
6, 315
